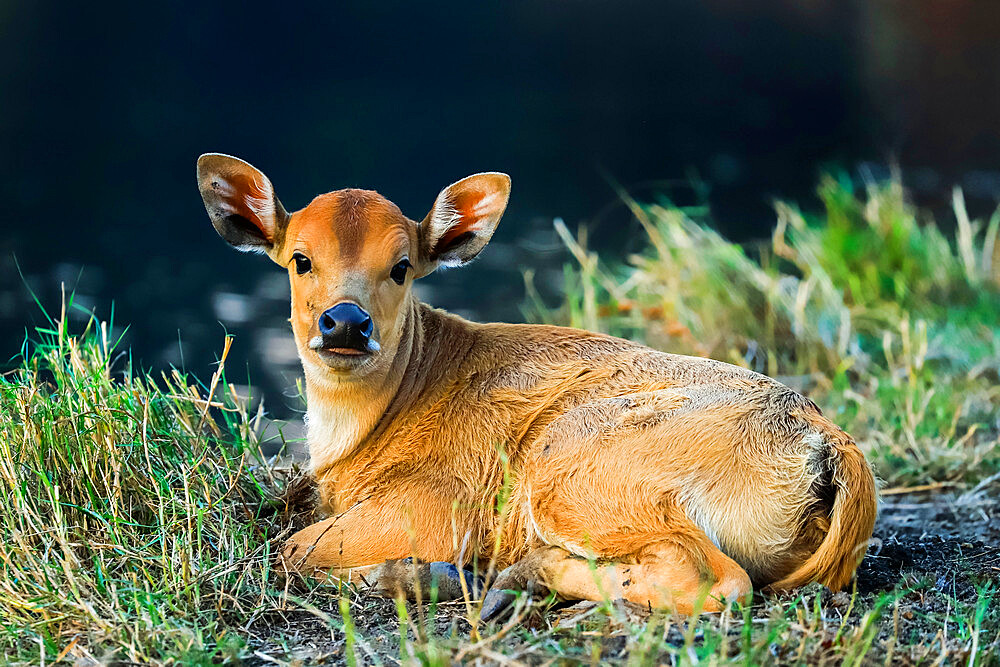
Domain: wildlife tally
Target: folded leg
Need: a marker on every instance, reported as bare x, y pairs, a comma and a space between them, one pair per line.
386, 545
677, 573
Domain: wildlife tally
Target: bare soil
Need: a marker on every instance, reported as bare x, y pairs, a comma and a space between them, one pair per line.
952, 538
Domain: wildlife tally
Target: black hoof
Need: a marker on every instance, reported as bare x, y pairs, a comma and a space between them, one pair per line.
495, 604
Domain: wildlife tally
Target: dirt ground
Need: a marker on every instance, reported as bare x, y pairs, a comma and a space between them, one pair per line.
941, 543
953, 537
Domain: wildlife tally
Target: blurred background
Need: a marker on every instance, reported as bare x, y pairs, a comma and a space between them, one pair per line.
105, 107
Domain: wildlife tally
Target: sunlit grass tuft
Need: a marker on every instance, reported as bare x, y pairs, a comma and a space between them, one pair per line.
136, 514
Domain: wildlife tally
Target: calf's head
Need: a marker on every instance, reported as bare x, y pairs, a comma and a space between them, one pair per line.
351, 255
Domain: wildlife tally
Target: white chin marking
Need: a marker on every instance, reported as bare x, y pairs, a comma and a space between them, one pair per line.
316, 343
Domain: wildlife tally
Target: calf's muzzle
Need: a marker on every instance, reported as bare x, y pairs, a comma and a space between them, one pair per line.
346, 326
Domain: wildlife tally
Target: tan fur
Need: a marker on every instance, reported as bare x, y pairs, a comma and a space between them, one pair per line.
678, 476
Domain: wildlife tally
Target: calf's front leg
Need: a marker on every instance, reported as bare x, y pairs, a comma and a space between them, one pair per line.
385, 547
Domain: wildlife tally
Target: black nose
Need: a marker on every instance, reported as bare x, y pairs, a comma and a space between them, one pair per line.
346, 325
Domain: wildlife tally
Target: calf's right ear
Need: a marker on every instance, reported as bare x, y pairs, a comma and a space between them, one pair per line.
241, 202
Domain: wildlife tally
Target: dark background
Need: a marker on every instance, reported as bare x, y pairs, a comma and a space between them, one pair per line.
104, 109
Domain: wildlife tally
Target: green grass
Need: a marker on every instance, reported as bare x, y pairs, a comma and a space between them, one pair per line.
139, 523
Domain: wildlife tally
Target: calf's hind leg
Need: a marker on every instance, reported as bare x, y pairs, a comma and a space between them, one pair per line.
674, 572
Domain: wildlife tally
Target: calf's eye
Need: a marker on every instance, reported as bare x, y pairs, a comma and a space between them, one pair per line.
398, 272
302, 263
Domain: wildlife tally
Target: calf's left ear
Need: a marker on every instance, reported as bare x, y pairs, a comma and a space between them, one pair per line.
241, 203
463, 220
